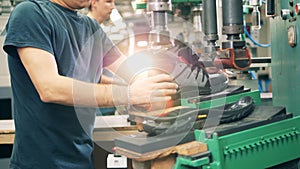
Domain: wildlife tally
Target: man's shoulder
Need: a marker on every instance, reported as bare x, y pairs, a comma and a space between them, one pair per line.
29, 6
92, 23
30, 11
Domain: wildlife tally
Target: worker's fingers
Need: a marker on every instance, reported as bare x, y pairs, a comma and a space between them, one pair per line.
154, 88
165, 85
163, 92
146, 101
161, 78
160, 99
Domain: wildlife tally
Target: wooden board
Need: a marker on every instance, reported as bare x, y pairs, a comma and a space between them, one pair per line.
7, 138
109, 125
7, 131
164, 163
186, 149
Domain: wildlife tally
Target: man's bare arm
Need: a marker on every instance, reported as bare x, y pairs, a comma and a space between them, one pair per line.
54, 88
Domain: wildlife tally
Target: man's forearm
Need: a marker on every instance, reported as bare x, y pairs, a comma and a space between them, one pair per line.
54, 88
68, 91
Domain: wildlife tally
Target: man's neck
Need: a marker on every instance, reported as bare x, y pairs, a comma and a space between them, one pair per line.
72, 6
98, 19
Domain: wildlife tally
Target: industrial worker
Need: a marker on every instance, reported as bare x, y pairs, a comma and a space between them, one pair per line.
56, 57
101, 9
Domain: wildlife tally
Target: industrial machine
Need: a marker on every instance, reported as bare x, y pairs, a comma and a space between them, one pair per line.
238, 130
284, 23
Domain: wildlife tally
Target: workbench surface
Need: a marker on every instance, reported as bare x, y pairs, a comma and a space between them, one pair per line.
105, 127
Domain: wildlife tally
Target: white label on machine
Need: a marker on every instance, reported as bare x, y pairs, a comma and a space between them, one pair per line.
116, 161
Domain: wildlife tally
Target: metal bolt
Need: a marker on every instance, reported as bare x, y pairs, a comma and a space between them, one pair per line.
291, 2
285, 14
255, 2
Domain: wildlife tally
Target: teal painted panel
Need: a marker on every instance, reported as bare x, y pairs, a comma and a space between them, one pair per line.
285, 62
260, 147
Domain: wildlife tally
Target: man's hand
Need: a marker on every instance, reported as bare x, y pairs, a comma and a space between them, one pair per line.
147, 90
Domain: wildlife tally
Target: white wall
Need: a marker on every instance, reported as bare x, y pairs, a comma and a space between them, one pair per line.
4, 73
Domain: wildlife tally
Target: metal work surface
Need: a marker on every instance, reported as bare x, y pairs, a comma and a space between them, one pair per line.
107, 128
221, 98
143, 143
260, 116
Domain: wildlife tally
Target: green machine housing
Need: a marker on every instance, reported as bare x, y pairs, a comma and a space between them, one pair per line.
267, 139
274, 141
285, 52
277, 144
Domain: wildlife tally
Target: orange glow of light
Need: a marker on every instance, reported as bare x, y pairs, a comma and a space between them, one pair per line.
139, 63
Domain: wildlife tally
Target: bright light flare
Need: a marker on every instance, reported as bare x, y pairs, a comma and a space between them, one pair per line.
142, 43
140, 63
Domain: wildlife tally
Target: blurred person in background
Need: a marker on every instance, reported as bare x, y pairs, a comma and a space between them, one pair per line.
100, 10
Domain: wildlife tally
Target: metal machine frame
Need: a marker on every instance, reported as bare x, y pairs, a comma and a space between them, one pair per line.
260, 147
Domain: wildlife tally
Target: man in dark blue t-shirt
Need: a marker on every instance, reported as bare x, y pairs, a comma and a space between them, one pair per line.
56, 57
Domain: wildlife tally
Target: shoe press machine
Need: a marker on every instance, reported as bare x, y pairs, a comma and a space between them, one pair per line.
239, 132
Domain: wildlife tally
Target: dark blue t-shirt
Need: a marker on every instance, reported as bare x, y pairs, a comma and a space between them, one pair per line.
51, 135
